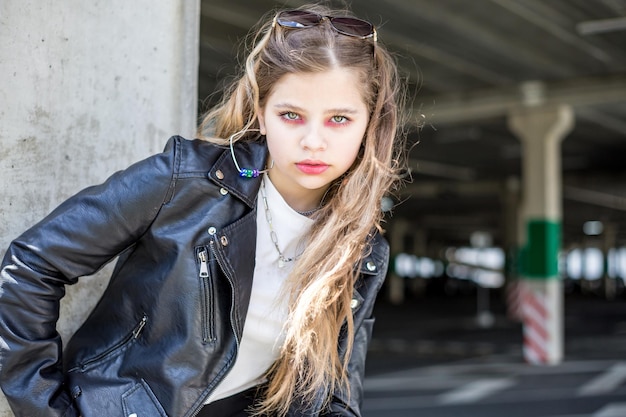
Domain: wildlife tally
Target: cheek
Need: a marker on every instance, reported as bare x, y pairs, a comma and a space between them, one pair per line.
276, 149
273, 126
350, 152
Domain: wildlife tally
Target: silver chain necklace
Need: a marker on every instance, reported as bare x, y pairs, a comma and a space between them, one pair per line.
268, 216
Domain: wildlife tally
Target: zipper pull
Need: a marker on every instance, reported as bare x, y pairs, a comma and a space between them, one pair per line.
204, 269
140, 327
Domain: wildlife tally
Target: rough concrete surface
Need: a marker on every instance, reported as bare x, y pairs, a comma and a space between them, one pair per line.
86, 88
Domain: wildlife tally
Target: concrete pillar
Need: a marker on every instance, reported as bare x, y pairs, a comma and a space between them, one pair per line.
541, 130
87, 88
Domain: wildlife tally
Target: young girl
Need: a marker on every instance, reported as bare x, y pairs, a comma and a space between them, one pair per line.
248, 261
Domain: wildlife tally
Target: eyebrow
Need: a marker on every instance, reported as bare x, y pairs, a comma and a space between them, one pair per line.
338, 110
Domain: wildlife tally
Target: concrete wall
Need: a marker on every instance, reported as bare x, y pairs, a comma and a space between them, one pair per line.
86, 88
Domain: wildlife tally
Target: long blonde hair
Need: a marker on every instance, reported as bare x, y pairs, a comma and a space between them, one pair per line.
323, 278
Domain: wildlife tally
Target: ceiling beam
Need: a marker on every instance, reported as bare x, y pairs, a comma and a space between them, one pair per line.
443, 58
592, 27
525, 11
595, 198
446, 16
490, 103
601, 118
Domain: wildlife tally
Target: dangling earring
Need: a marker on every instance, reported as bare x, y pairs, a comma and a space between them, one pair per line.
245, 172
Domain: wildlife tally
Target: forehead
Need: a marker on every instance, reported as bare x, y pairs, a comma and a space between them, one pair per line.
336, 87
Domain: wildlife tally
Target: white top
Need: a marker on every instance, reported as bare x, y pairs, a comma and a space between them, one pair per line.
267, 313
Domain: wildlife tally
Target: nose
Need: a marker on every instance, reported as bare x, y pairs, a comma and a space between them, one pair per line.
314, 139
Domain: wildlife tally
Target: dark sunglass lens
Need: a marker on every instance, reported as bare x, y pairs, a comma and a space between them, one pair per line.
352, 26
298, 19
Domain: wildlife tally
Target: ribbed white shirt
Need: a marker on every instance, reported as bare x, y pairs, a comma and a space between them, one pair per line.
268, 309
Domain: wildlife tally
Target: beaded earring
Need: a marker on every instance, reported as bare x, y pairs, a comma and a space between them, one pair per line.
245, 172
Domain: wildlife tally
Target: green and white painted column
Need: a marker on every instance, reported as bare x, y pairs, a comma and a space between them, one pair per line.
541, 130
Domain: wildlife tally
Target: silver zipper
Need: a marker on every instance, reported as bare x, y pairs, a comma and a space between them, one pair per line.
208, 332
140, 327
204, 269
232, 326
129, 337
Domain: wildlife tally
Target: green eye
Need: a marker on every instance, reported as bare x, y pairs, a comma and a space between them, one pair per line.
339, 119
291, 115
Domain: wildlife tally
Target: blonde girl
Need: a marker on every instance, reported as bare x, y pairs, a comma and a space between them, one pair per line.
249, 259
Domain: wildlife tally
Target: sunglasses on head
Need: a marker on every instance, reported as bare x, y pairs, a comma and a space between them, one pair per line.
349, 26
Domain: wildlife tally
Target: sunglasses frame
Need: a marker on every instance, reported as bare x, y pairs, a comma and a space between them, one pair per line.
284, 23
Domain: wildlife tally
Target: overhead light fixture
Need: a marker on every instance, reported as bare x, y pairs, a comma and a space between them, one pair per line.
593, 27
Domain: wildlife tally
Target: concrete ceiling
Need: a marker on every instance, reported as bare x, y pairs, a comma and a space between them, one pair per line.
469, 63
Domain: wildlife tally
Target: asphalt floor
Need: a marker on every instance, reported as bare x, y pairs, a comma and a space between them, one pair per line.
439, 327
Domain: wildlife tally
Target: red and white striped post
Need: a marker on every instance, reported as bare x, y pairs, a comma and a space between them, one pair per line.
535, 313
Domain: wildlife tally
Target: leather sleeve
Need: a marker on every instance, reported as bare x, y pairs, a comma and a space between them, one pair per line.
345, 404
76, 239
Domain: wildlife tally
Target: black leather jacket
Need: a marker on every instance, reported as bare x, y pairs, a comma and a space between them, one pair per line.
163, 335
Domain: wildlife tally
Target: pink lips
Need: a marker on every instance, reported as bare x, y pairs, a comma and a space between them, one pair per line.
311, 167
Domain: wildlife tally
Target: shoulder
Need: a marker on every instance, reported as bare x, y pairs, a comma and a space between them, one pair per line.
192, 155
198, 156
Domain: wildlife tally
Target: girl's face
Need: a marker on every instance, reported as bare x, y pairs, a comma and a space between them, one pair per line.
314, 124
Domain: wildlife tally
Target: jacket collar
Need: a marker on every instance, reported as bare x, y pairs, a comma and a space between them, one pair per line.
252, 155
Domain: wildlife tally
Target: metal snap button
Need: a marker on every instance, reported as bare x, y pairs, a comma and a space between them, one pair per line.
223, 191
224, 241
212, 230
371, 266
219, 174
354, 303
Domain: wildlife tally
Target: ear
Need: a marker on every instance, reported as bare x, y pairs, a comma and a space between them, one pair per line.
261, 118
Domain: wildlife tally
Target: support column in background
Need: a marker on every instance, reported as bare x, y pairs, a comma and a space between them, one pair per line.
541, 130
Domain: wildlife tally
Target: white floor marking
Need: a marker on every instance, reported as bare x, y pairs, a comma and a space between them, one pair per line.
382, 384
475, 390
606, 382
611, 410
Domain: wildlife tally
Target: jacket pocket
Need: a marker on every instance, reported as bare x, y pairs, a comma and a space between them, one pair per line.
207, 304
115, 350
140, 401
